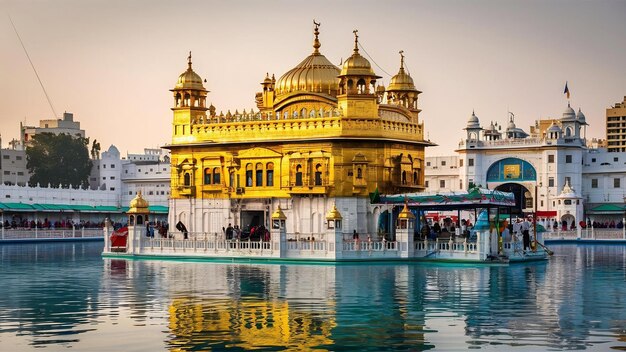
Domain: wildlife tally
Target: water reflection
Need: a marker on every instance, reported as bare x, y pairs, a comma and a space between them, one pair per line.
67, 295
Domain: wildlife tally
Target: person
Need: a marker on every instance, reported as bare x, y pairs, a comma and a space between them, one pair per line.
229, 232
526, 234
506, 233
355, 235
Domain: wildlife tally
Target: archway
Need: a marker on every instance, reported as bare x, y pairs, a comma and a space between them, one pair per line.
523, 197
567, 220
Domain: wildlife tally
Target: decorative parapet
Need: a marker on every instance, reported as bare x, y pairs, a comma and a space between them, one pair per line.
293, 128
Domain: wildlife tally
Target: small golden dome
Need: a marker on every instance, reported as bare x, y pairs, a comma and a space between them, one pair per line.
189, 79
314, 74
356, 64
406, 213
138, 204
278, 214
401, 81
333, 214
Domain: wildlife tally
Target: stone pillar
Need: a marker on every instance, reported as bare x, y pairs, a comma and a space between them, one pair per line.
334, 232
278, 233
107, 231
404, 233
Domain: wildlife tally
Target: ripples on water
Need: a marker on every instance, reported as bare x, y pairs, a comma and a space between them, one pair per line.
65, 296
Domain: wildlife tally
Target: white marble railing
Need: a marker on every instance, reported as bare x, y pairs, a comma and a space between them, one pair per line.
27, 234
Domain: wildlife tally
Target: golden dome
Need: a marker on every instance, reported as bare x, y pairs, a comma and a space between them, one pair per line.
401, 81
406, 213
333, 214
356, 64
138, 204
313, 74
189, 79
278, 214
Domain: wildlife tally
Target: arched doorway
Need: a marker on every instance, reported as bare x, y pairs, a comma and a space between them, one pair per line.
523, 197
567, 220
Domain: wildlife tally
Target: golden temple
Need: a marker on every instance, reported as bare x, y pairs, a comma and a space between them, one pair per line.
322, 136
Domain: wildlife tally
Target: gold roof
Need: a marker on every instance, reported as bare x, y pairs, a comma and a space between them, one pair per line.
138, 205
189, 79
334, 214
406, 213
401, 81
278, 214
314, 74
356, 64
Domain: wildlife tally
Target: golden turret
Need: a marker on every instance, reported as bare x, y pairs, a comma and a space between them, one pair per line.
406, 213
138, 205
189, 79
334, 214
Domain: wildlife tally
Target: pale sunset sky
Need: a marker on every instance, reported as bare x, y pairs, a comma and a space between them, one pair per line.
113, 62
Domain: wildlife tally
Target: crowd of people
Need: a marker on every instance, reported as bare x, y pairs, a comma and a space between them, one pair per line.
20, 223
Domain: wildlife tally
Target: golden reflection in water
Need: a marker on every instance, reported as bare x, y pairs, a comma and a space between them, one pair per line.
247, 325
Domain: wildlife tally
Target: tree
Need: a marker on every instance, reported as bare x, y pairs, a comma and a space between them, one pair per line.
58, 160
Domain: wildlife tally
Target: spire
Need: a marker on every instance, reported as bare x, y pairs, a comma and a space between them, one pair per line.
189, 60
316, 42
401, 60
356, 41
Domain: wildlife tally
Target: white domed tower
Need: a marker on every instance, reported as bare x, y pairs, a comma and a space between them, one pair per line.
473, 128
357, 85
571, 125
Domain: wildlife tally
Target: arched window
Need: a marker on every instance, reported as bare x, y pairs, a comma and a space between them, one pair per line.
232, 179
259, 175
269, 169
312, 113
318, 175
568, 132
216, 176
177, 100
207, 176
321, 112
286, 115
187, 99
404, 177
249, 175
415, 179
299, 175
361, 86
303, 113
139, 220
359, 173
295, 114
187, 179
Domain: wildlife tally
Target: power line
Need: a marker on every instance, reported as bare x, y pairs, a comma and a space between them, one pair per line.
368, 55
33, 66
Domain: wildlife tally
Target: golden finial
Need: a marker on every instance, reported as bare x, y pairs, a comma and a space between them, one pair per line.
189, 60
356, 41
316, 42
401, 59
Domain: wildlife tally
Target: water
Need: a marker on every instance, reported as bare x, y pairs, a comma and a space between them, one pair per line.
60, 297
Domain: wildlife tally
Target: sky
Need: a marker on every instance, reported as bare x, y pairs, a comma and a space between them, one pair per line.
112, 63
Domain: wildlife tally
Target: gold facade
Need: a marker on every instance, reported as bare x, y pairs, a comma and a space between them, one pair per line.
319, 130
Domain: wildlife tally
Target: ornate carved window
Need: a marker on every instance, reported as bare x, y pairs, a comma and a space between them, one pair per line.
270, 174
299, 175
249, 175
259, 175
207, 176
216, 176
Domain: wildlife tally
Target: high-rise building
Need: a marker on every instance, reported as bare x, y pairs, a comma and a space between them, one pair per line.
616, 127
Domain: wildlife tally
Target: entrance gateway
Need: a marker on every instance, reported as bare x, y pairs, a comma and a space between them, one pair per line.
510, 175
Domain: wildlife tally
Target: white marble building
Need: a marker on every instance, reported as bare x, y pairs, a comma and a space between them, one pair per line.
550, 169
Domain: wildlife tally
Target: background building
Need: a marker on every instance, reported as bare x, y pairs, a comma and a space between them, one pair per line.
616, 127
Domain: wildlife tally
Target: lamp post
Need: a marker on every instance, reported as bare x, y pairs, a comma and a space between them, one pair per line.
537, 185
